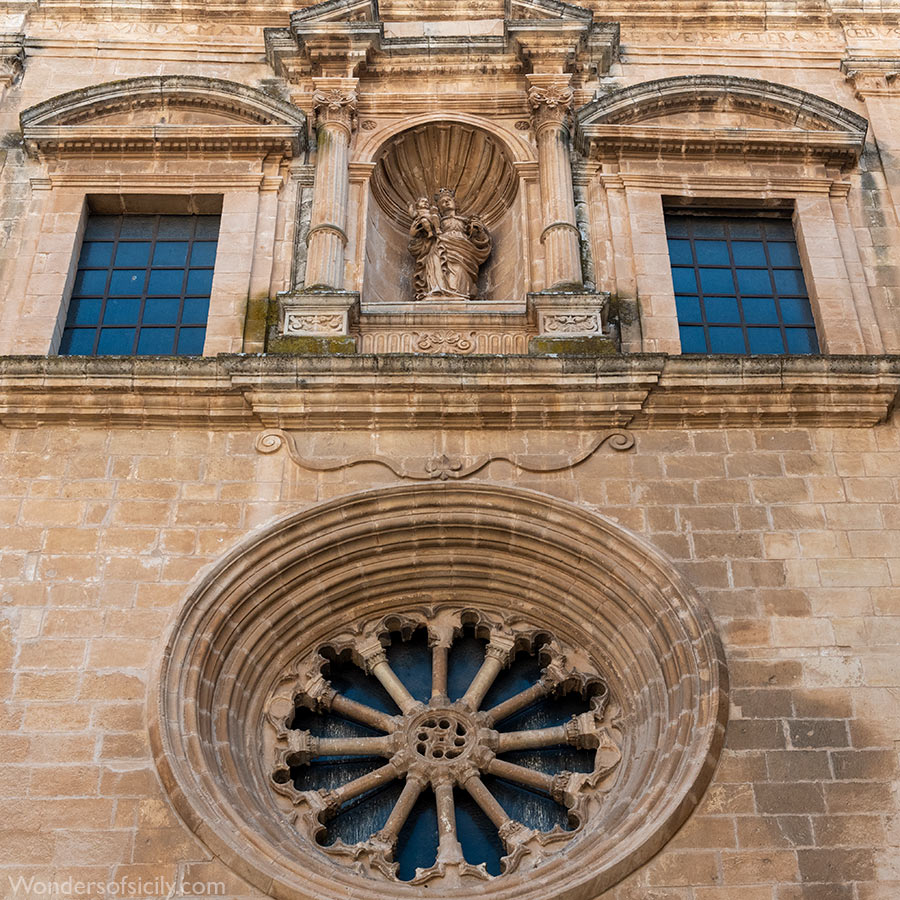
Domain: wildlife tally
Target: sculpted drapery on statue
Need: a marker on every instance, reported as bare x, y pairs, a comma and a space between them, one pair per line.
449, 248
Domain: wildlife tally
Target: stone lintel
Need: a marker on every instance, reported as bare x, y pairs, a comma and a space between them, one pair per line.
450, 391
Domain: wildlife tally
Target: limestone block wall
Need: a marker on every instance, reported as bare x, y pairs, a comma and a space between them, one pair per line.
791, 538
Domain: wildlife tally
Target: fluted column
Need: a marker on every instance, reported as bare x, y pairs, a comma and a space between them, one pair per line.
551, 103
334, 106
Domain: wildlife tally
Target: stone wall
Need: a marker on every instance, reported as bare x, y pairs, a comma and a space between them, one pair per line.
791, 537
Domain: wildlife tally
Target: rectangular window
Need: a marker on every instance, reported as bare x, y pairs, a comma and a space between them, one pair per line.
142, 286
738, 283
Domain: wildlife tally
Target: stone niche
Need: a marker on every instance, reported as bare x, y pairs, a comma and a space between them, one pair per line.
418, 163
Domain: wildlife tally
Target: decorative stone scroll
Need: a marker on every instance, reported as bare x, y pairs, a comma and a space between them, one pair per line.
441, 466
604, 615
442, 744
12, 58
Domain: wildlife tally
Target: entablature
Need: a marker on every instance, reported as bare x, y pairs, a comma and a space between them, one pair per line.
350, 37
450, 392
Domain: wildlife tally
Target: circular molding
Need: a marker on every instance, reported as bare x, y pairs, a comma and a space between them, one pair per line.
499, 551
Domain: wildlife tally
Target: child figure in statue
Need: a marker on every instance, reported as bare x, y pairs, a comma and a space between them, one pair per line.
449, 248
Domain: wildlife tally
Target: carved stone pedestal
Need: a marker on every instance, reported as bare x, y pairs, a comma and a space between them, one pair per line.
314, 322
571, 322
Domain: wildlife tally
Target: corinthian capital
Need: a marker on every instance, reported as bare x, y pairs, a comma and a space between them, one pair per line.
335, 103
551, 101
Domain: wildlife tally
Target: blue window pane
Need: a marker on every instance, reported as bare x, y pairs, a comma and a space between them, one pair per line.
165, 282
203, 253
170, 253
685, 281
196, 310
132, 253
765, 340
796, 311
199, 282
116, 342
744, 228
779, 229
754, 281
207, 228
122, 311
156, 341
101, 228
712, 253
721, 309
676, 226
709, 228
127, 282
159, 311
137, 227
190, 341
726, 340
688, 309
692, 339
84, 312
175, 228
680, 251
784, 253
748, 253
77, 342
123, 306
759, 311
801, 340
789, 281
96, 253
716, 281
90, 283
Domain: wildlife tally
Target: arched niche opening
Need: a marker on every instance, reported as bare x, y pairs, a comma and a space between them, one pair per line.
420, 161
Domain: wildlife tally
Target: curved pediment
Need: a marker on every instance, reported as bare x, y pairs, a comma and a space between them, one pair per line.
167, 112
720, 113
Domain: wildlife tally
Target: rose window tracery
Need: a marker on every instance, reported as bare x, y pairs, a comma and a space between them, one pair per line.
449, 748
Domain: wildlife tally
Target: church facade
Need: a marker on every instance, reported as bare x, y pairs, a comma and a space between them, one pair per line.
450, 449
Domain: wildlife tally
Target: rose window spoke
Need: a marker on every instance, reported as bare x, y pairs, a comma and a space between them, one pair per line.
507, 744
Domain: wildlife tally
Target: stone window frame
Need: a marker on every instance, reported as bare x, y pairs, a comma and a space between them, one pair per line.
413, 550
156, 168
633, 170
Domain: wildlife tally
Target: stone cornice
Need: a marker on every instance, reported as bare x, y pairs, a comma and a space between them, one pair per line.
52, 140
872, 76
832, 147
66, 123
640, 391
347, 37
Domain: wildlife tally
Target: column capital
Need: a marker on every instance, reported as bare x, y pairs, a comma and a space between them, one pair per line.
872, 76
550, 97
334, 101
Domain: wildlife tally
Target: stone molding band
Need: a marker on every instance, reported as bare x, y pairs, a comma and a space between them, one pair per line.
327, 226
555, 225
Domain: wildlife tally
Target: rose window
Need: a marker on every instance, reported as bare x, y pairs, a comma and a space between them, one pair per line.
450, 749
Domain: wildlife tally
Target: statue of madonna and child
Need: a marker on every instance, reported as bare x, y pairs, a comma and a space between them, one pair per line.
449, 248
